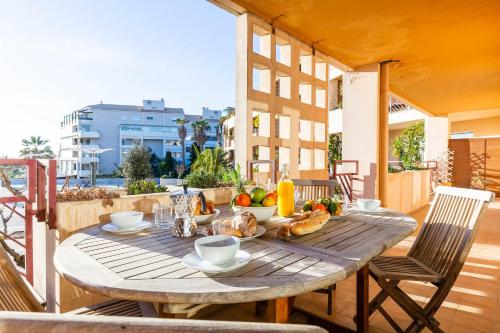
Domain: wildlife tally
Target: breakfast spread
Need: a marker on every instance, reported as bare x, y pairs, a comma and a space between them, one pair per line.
304, 224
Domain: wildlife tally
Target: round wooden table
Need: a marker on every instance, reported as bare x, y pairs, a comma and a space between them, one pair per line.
147, 266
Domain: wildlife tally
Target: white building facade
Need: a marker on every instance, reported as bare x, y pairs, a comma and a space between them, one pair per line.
118, 128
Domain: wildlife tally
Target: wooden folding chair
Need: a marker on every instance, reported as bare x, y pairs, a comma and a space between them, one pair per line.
437, 256
15, 295
312, 189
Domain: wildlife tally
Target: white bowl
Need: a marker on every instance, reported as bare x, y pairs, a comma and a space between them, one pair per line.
368, 204
203, 219
125, 220
217, 249
261, 213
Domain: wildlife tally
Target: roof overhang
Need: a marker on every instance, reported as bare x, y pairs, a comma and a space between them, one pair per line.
448, 51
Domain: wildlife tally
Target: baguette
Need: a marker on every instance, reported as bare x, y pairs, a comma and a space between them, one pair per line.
305, 224
315, 222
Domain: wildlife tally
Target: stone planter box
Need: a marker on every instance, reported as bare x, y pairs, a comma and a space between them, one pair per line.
61, 295
409, 190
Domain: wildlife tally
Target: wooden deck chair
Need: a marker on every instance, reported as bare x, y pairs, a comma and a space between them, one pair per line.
437, 256
15, 295
312, 189
50, 323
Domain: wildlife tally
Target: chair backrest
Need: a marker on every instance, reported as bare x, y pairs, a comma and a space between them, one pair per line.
449, 229
14, 293
311, 189
49, 323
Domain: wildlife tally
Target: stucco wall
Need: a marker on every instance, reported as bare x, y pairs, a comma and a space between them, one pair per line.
480, 127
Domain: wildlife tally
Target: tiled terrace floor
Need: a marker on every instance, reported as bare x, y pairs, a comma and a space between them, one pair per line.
473, 304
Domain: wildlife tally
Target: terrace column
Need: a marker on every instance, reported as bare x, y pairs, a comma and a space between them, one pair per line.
437, 131
365, 127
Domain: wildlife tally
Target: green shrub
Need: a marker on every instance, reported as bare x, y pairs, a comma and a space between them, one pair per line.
408, 146
144, 186
203, 179
137, 165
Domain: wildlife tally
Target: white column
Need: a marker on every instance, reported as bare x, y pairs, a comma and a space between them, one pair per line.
360, 122
436, 137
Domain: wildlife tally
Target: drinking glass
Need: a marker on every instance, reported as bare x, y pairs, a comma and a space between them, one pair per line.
163, 217
219, 227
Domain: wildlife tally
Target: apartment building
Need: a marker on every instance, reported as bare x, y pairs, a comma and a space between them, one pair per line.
104, 133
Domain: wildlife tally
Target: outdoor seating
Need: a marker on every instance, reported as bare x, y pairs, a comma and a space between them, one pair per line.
436, 257
312, 190
15, 295
48, 323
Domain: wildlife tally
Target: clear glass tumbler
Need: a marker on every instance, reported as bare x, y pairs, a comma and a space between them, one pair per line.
163, 217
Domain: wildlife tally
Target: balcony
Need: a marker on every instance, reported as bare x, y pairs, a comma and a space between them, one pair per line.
89, 134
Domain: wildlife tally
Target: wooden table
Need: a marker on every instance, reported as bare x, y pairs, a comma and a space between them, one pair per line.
147, 266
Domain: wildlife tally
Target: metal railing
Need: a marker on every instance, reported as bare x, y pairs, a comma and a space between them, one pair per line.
36, 203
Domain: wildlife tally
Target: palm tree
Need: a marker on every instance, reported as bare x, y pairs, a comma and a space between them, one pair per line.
36, 147
182, 132
199, 132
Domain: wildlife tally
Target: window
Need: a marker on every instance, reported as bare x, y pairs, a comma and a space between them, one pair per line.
150, 118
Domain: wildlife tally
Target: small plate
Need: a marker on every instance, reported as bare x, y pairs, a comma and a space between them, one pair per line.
204, 219
194, 261
110, 227
259, 232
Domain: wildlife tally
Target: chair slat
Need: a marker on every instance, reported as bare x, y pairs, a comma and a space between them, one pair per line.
14, 294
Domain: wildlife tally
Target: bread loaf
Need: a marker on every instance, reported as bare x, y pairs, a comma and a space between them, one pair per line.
246, 223
304, 224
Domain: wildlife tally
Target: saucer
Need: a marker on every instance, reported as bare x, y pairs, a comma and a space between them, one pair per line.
378, 210
110, 227
194, 261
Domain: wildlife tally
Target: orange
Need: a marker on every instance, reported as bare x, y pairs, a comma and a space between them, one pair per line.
243, 199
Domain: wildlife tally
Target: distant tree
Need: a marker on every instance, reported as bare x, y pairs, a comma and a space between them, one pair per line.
200, 132
168, 164
182, 132
137, 165
36, 147
155, 163
334, 147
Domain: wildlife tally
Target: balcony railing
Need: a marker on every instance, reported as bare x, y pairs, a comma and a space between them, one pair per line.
89, 134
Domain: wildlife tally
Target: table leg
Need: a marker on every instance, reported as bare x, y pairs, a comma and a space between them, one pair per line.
362, 299
278, 310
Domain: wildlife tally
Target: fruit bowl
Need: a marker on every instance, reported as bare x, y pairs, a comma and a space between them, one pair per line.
261, 213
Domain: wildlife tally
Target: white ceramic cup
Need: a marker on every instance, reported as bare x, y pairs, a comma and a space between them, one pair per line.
217, 249
126, 220
369, 205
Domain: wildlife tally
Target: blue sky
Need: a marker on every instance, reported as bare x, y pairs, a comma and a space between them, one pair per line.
57, 56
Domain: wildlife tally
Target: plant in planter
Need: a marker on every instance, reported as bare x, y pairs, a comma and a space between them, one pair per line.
208, 168
408, 146
144, 186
